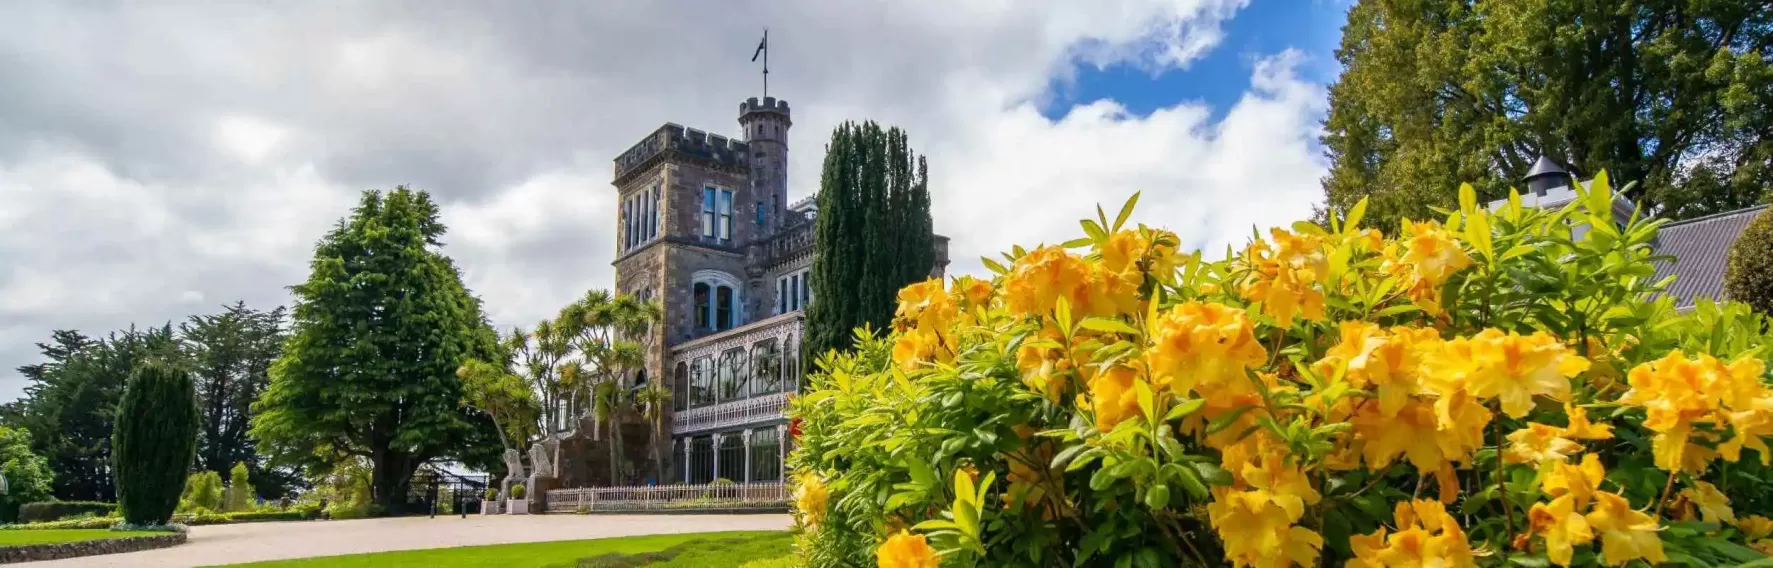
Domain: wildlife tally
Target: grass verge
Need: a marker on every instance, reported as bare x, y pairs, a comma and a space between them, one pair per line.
728, 549
19, 538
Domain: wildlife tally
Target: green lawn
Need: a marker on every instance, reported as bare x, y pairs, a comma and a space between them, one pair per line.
723, 549
21, 537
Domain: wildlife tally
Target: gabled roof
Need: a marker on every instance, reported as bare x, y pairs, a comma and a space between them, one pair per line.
1700, 247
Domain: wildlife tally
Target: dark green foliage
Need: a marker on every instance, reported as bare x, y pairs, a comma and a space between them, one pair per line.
1675, 95
369, 370
27, 474
71, 401
1748, 278
873, 234
154, 443
44, 511
230, 356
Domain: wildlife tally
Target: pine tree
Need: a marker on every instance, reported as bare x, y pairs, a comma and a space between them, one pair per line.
154, 443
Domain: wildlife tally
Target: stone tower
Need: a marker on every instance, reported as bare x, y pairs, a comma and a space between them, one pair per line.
766, 126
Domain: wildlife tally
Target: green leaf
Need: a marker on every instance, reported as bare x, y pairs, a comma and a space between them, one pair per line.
1192, 483
1062, 314
1467, 198
1600, 195
1158, 496
1186, 408
995, 266
1107, 325
1077, 243
1126, 211
1225, 420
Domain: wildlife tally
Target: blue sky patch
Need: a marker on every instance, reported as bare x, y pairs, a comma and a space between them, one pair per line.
1263, 28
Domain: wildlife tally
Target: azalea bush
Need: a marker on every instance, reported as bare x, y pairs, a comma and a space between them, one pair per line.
1490, 388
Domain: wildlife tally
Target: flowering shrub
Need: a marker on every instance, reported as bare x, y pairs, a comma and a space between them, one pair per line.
1492, 388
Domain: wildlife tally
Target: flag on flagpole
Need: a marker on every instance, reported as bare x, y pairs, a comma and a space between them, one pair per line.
761, 46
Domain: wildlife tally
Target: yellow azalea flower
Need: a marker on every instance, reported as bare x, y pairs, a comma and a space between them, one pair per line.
1507, 366
1538, 443
1285, 277
1388, 361
1579, 482
1433, 252
1257, 531
973, 291
1626, 534
1204, 344
1562, 527
927, 305
1713, 506
1677, 393
1755, 527
1426, 536
1581, 429
906, 550
1415, 433
1114, 396
1038, 279
1762, 546
918, 348
810, 498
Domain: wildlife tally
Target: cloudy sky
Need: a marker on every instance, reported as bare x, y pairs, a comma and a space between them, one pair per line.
159, 159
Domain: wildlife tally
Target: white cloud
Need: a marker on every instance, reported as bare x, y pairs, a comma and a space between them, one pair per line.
140, 174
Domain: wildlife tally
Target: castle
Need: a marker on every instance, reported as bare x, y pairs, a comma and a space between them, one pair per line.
705, 228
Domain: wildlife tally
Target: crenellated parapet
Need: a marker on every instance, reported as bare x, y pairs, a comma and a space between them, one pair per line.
767, 105
675, 139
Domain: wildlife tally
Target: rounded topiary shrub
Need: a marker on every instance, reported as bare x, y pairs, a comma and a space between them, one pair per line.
517, 491
153, 443
1748, 277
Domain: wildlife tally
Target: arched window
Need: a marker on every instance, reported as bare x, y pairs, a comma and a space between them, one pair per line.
702, 296
790, 365
701, 382
718, 301
680, 389
723, 307
731, 372
766, 368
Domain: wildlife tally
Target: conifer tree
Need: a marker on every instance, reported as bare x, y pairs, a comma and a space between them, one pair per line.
154, 442
872, 235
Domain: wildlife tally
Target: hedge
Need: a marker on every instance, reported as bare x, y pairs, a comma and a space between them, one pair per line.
58, 510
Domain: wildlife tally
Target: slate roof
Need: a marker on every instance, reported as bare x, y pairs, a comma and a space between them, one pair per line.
1700, 246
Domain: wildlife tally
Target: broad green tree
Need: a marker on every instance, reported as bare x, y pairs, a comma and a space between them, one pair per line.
70, 403
27, 474
379, 330
1675, 95
503, 396
230, 355
873, 233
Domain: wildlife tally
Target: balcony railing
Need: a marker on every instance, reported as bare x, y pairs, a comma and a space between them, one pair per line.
731, 414
657, 497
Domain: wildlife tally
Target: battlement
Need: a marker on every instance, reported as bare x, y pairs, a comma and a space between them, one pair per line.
769, 104
686, 141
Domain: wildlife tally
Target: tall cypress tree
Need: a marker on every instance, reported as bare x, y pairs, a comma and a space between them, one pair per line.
872, 234
154, 442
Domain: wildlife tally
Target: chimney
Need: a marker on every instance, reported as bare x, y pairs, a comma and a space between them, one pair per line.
1546, 175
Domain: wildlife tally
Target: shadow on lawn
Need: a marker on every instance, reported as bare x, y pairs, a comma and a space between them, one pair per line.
699, 552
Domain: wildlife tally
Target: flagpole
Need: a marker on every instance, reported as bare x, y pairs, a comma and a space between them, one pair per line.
766, 62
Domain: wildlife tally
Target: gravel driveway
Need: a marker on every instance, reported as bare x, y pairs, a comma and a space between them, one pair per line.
250, 542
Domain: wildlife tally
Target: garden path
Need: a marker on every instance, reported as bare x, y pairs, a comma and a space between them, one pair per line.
251, 542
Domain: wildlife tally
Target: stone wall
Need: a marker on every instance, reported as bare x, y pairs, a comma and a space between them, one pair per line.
60, 550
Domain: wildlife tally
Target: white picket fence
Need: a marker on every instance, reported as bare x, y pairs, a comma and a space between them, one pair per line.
657, 497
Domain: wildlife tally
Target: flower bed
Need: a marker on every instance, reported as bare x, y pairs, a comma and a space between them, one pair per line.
1484, 389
